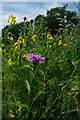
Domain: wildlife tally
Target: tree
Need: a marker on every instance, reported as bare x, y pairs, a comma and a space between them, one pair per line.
59, 17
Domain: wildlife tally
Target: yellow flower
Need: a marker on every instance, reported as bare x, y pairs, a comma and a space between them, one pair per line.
11, 19
18, 110
46, 28
10, 38
49, 36
16, 48
25, 55
9, 62
11, 114
60, 42
27, 22
21, 40
34, 37
61, 30
15, 44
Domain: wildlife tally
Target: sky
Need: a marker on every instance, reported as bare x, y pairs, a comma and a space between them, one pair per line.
29, 9
39, 0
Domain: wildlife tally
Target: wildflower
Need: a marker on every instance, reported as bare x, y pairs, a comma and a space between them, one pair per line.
49, 36
27, 22
16, 48
18, 110
34, 37
35, 58
10, 36
61, 30
25, 55
21, 40
11, 114
15, 44
9, 62
60, 42
46, 28
11, 19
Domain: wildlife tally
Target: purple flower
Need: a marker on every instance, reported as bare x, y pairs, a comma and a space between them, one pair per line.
35, 58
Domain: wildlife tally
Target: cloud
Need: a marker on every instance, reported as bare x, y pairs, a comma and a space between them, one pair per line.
28, 9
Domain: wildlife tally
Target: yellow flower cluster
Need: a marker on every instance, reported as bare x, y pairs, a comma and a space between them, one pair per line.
10, 63
49, 36
18, 110
25, 55
11, 19
16, 48
17, 44
10, 36
60, 42
34, 37
21, 40
11, 114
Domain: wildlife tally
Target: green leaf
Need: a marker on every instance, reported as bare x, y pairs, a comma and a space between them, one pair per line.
19, 104
38, 95
27, 66
28, 86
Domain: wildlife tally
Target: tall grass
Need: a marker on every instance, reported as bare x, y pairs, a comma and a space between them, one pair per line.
51, 91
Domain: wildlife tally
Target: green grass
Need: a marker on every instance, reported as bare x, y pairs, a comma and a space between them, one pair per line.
52, 90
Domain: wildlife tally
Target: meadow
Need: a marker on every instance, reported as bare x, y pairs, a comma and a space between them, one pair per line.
40, 72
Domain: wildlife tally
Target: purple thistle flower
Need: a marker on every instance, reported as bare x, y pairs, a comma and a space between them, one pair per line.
35, 58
